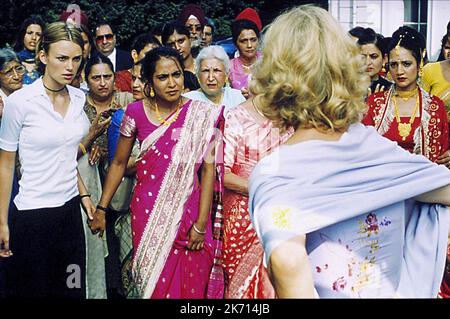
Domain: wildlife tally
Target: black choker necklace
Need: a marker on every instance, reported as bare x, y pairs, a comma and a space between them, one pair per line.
51, 90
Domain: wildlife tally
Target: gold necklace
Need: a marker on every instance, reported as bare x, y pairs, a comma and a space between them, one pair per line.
164, 121
406, 95
257, 109
404, 129
247, 67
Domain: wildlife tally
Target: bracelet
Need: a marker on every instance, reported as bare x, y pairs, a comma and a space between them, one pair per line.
198, 230
102, 208
85, 195
83, 149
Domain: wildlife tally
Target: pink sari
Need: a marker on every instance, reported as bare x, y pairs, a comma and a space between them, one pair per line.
166, 202
246, 142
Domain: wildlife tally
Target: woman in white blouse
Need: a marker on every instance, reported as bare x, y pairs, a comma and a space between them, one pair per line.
44, 240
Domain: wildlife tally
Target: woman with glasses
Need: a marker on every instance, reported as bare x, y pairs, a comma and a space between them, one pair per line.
11, 75
406, 113
25, 45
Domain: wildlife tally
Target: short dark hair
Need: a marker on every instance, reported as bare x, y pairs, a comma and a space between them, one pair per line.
102, 23
157, 29
142, 40
97, 59
34, 19
150, 60
239, 25
369, 36
356, 32
210, 23
171, 27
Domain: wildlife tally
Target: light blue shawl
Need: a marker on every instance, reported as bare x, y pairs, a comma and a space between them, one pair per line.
364, 237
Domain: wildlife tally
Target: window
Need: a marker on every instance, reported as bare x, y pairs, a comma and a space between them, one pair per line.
416, 15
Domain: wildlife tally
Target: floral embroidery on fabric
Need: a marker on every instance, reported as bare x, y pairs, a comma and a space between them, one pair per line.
361, 270
339, 284
370, 225
281, 218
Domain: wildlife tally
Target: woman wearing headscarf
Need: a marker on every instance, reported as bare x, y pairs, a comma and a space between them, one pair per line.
246, 32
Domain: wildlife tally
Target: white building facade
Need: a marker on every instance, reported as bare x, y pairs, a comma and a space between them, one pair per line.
430, 17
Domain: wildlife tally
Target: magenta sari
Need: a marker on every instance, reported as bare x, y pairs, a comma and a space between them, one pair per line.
165, 204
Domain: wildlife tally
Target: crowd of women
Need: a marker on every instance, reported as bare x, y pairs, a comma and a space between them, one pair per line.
312, 164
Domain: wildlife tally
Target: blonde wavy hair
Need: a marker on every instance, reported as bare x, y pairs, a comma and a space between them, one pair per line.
311, 73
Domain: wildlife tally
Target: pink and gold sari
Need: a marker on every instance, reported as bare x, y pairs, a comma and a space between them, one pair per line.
165, 204
246, 142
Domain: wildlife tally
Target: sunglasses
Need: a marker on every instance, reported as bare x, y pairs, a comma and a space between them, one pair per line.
108, 37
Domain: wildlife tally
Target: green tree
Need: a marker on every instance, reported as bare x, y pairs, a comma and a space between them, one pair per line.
132, 17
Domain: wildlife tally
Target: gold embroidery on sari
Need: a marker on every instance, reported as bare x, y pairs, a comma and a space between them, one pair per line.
162, 225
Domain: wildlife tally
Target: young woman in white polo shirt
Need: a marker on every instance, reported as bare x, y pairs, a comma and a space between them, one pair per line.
45, 123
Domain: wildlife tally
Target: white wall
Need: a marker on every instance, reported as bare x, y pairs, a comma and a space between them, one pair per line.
381, 15
392, 16
386, 16
438, 17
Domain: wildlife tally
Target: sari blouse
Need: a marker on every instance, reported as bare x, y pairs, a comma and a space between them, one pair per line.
166, 200
429, 133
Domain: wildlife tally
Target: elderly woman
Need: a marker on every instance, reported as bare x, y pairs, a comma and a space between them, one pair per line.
348, 224
213, 66
11, 75
245, 31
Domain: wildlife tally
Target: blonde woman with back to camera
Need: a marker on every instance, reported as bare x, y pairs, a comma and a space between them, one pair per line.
341, 211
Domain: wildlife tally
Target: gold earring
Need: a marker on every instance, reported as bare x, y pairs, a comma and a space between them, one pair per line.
152, 93
422, 57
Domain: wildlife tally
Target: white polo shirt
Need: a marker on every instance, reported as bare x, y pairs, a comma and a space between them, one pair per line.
47, 144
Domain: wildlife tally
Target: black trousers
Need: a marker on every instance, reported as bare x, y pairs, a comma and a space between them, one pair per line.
49, 254
114, 284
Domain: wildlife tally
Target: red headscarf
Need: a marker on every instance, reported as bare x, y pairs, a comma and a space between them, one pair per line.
251, 15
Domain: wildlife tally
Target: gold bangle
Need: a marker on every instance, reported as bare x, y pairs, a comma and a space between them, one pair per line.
83, 149
198, 230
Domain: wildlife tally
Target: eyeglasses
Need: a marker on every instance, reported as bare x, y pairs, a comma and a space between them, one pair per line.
20, 70
108, 37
